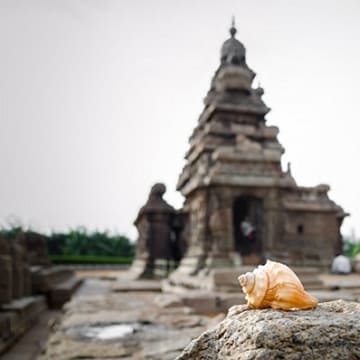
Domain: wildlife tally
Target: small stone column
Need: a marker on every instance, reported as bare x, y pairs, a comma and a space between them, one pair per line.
27, 283
6, 272
17, 268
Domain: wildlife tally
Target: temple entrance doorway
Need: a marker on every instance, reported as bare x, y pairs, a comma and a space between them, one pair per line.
248, 217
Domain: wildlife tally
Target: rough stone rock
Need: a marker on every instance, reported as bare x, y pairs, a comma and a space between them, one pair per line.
331, 331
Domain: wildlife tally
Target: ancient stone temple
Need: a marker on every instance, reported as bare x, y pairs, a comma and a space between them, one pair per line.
240, 206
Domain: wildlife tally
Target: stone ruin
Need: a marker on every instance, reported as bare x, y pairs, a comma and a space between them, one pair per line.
28, 284
233, 180
159, 245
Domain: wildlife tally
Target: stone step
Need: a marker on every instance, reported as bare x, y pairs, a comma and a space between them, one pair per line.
60, 293
226, 279
123, 285
326, 295
347, 284
310, 280
305, 270
6, 335
44, 278
17, 317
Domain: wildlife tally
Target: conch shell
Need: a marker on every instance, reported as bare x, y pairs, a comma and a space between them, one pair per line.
275, 285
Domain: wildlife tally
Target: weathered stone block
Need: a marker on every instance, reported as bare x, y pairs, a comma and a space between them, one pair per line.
17, 317
331, 331
6, 335
37, 248
5, 279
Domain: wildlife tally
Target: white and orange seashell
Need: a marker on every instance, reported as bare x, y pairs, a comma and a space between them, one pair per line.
275, 285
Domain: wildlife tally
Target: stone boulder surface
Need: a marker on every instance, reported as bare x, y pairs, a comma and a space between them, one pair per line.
331, 331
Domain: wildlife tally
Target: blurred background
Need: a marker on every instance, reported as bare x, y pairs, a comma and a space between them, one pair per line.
98, 99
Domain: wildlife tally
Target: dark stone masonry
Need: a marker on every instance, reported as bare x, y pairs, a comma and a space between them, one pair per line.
28, 284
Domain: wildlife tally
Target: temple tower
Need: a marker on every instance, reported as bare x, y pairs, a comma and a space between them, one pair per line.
233, 176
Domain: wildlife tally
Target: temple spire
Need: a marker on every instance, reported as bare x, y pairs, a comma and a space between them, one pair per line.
233, 28
232, 50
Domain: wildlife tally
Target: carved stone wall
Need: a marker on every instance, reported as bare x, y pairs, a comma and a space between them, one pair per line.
17, 254
6, 271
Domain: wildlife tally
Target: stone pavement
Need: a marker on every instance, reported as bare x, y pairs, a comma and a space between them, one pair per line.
146, 328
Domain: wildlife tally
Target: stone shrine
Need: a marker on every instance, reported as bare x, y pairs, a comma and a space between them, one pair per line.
240, 206
157, 244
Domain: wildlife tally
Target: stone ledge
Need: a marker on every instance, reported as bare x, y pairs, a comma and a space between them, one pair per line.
60, 293
17, 317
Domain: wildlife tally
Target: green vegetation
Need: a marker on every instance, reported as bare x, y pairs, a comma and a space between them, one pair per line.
80, 246
90, 259
11, 232
97, 243
351, 247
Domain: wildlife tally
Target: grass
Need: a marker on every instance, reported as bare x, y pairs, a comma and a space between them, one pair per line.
90, 259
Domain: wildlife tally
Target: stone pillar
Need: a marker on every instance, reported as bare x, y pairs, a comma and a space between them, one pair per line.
17, 268
273, 231
220, 223
27, 286
198, 239
27, 290
6, 272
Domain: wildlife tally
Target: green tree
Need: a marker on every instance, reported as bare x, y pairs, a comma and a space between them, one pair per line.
81, 242
351, 247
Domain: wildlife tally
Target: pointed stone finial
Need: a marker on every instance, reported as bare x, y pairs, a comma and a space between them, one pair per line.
233, 28
259, 90
288, 170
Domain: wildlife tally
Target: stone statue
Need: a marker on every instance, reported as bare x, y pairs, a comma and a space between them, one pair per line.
157, 241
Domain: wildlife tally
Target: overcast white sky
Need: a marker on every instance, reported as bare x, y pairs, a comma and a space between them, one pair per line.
99, 97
